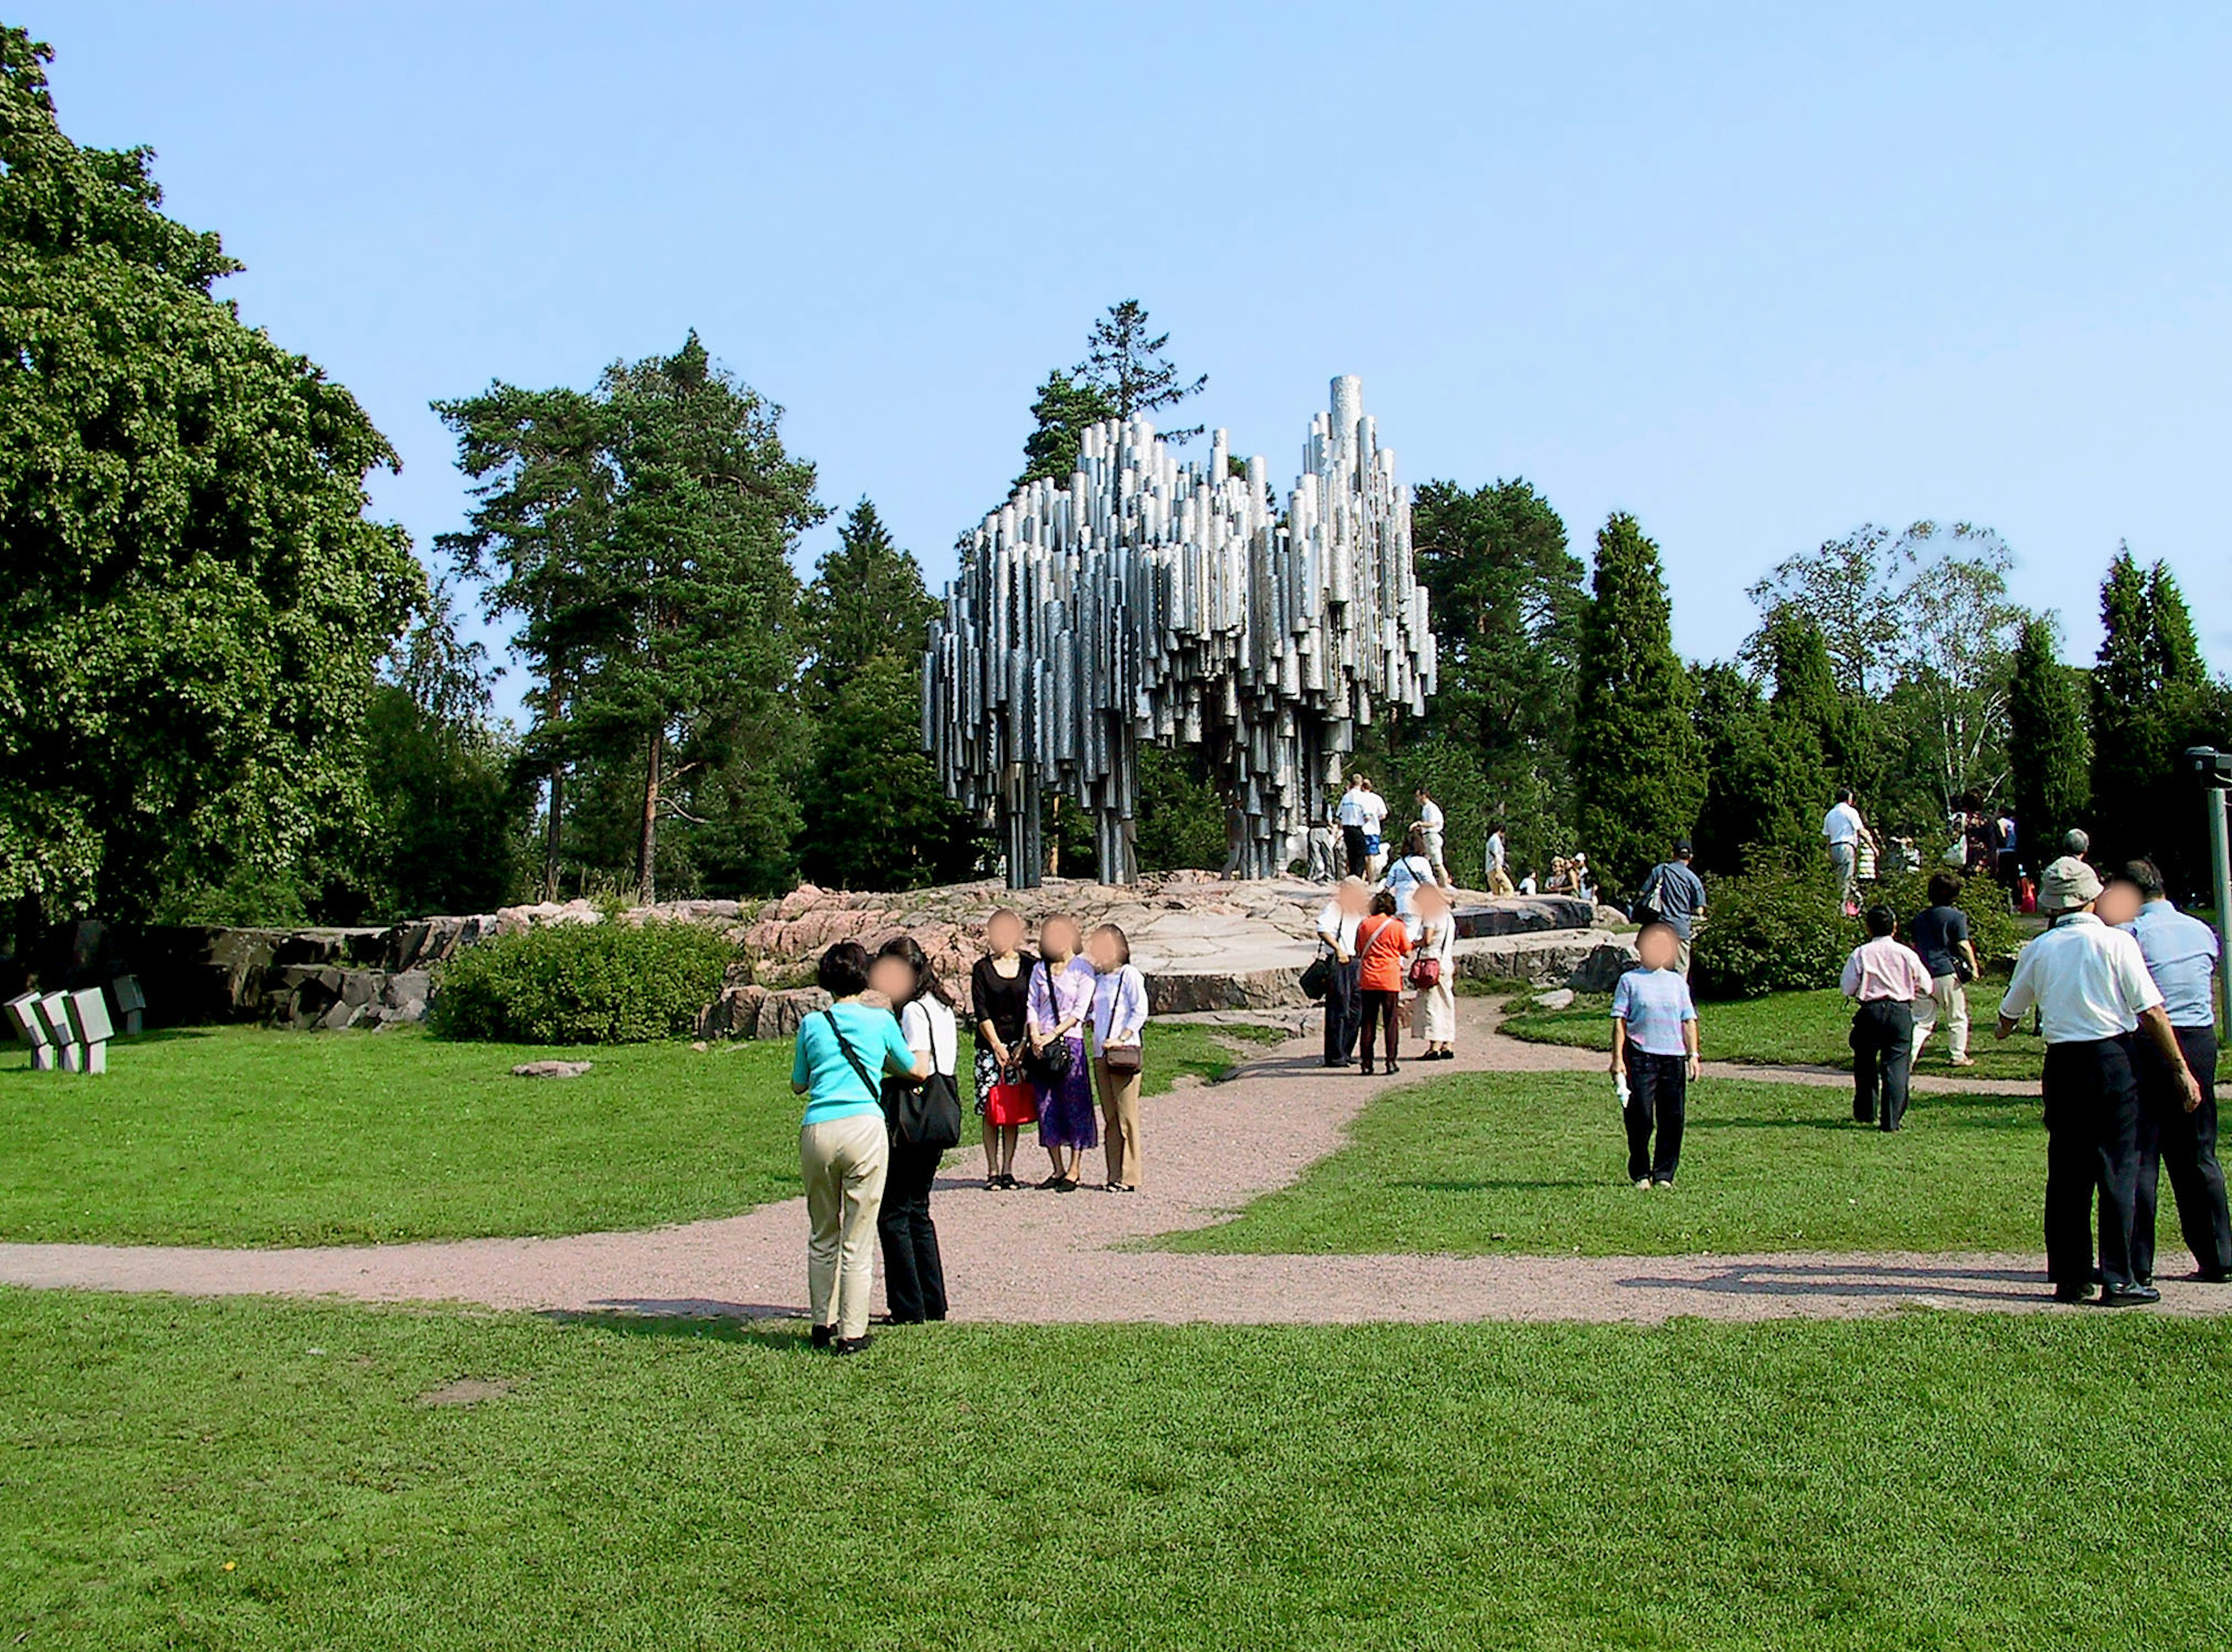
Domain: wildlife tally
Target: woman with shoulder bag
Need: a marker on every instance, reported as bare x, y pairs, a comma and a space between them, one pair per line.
923, 1119
1381, 943
1434, 1013
1119, 1017
844, 1152
1060, 1009
1000, 989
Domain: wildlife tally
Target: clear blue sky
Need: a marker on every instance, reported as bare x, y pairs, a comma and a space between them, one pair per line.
1756, 273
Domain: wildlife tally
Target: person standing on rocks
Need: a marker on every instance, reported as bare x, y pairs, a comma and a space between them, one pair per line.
1499, 875
1060, 1012
2090, 985
1337, 922
914, 1271
843, 1153
999, 995
1355, 823
1120, 1024
1654, 1058
1883, 977
2181, 953
1432, 822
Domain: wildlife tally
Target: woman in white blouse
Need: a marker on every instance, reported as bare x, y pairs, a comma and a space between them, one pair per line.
1434, 1011
1119, 1017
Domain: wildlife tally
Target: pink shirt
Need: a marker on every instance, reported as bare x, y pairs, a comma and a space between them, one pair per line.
1884, 968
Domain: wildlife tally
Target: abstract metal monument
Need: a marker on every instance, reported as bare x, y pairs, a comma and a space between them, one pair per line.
1151, 600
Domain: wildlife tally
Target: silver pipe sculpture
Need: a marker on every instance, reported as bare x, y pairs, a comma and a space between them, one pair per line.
1152, 601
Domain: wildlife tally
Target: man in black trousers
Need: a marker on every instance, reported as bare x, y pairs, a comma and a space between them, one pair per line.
1344, 994
2092, 993
2176, 1133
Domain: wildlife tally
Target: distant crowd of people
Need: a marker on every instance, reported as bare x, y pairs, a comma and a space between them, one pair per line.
1054, 1031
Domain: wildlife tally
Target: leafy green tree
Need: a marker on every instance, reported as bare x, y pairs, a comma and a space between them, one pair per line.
1767, 784
1638, 769
2152, 698
876, 816
1126, 366
1181, 820
1060, 413
2049, 743
1506, 606
196, 600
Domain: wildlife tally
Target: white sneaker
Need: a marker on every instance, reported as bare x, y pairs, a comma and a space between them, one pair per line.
1643, 1184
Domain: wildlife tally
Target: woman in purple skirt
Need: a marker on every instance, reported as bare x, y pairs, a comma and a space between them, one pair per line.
1060, 1004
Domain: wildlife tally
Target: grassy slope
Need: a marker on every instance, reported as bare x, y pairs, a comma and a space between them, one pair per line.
1805, 1029
239, 1135
1532, 1163
1931, 1482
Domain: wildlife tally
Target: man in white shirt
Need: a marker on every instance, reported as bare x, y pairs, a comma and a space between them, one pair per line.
1354, 817
1430, 821
1499, 876
1842, 829
2090, 985
1337, 922
1375, 824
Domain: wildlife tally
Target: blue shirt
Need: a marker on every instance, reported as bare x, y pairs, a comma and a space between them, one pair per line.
1654, 1003
2181, 952
833, 1091
1677, 894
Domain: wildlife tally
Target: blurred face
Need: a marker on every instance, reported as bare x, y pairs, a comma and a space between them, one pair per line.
1352, 899
2119, 903
1005, 933
1101, 949
891, 977
1429, 902
1057, 938
1655, 946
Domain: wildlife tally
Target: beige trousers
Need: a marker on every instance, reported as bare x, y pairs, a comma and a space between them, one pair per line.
1499, 883
1949, 998
1119, 1122
844, 1162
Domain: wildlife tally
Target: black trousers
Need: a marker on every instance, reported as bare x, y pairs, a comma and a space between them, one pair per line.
1658, 1093
1353, 837
2184, 1143
1381, 1008
2091, 1091
1883, 1055
1342, 1006
914, 1274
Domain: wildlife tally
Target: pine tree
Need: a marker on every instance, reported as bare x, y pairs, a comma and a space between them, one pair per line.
867, 598
1058, 415
1638, 770
2049, 745
2130, 742
1127, 367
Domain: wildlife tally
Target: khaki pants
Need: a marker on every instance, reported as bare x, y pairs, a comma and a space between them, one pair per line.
1499, 882
844, 1162
1433, 837
1948, 998
1681, 957
1119, 1122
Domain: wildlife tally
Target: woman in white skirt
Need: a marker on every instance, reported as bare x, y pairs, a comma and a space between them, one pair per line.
1434, 1009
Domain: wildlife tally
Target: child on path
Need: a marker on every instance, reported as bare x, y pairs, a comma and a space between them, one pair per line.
1654, 1054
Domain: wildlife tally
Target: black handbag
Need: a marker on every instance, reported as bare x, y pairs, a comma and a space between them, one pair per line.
925, 1115
1317, 979
1048, 1066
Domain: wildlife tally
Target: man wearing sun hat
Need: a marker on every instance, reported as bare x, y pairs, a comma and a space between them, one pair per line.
2093, 995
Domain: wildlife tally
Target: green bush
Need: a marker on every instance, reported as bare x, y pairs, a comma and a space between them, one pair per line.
1771, 930
581, 983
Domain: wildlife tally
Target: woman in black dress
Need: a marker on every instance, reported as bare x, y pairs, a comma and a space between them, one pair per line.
999, 995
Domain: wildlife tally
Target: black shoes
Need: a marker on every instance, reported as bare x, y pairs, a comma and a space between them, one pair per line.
824, 1335
2128, 1296
849, 1345
2073, 1293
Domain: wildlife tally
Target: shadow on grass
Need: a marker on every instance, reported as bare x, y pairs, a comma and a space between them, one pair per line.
779, 1328
1506, 1186
2001, 1287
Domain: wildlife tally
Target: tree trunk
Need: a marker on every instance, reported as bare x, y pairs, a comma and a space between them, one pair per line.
647, 849
553, 831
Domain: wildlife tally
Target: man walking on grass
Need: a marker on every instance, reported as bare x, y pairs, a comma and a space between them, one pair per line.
2092, 993
1674, 895
1883, 977
2181, 956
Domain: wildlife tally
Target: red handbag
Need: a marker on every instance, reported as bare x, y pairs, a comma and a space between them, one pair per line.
1426, 972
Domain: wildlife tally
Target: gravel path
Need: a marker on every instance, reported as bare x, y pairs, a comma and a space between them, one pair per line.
1041, 1257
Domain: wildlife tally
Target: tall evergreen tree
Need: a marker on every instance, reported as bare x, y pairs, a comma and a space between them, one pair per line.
1125, 364
1638, 770
1766, 782
2152, 698
875, 815
2049, 744
1060, 413
1507, 607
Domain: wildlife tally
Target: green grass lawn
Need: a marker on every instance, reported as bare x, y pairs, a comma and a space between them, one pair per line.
1533, 1164
251, 1475
242, 1136
1808, 1029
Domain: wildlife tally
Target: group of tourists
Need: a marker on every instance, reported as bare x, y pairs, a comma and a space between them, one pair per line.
1372, 948
882, 1083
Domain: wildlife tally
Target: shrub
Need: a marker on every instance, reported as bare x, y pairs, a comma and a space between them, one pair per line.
581, 983
1771, 930
1992, 926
